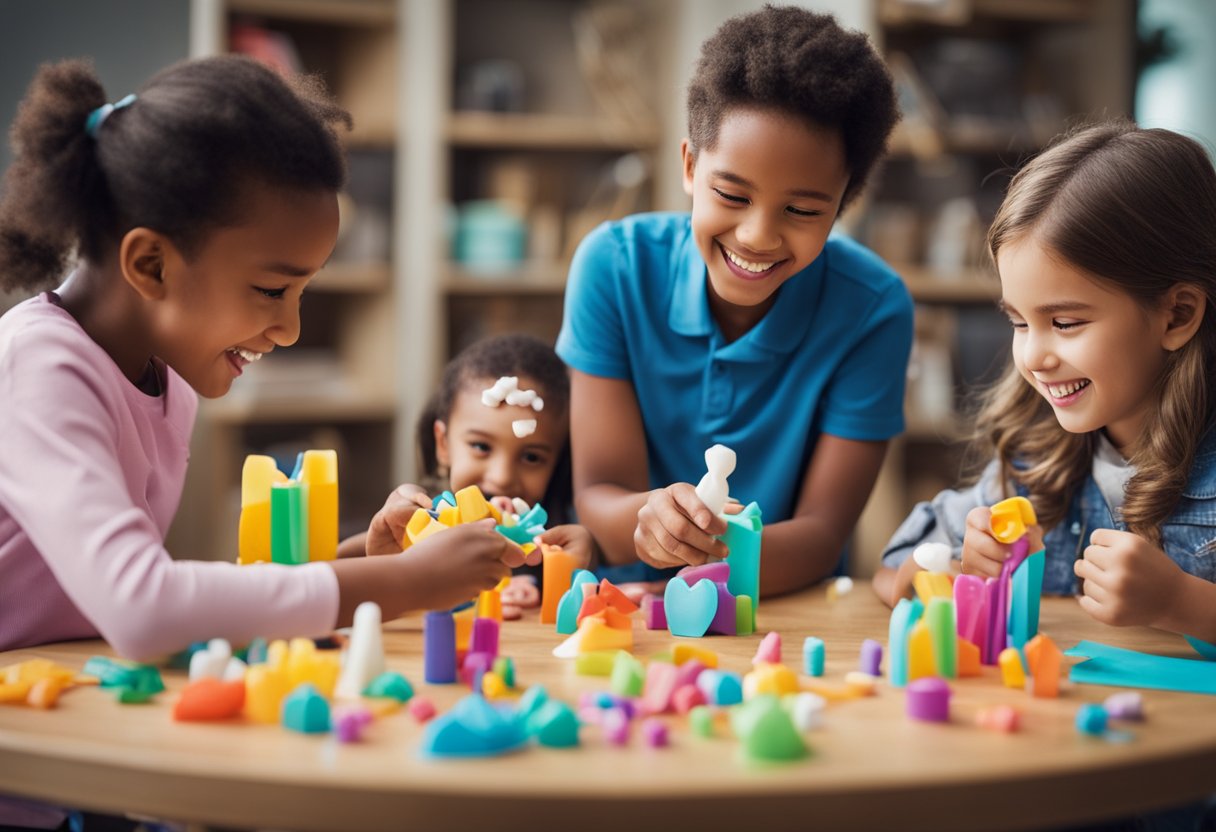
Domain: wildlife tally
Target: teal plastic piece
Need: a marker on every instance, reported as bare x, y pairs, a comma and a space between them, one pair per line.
117, 674
504, 666
812, 656
305, 710
905, 615
554, 724
940, 617
516, 534
446, 497
295, 472
181, 659
526, 529
390, 685
132, 696
289, 522
1091, 719
1026, 589
721, 687
256, 652
690, 610
628, 675
572, 601
1203, 648
533, 698
742, 539
473, 728
766, 731
1115, 666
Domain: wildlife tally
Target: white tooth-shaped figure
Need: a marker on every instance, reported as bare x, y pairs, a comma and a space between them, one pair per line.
712, 489
211, 661
364, 655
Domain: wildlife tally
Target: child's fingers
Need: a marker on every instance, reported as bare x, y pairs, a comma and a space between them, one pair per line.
1092, 607
680, 530
650, 550
685, 498
1098, 558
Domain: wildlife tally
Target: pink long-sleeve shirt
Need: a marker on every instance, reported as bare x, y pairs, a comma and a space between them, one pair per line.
91, 472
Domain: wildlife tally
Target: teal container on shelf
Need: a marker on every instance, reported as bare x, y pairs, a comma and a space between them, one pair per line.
489, 236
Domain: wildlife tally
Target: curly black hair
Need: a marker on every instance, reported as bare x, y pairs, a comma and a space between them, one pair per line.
514, 354
177, 160
802, 63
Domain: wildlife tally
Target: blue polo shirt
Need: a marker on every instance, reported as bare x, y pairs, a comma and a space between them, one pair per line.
830, 356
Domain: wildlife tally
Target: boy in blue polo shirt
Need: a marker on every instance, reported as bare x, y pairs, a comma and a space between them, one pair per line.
743, 323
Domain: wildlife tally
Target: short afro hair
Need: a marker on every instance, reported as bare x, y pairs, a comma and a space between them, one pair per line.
798, 62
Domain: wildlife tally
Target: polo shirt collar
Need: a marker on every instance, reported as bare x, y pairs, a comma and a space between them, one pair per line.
780, 331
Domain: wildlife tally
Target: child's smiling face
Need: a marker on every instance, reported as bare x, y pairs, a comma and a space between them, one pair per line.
764, 198
1094, 353
479, 447
238, 296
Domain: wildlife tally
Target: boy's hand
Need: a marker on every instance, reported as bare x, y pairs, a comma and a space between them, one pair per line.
456, 565
387, 529
983, 554
571, 538
1126, 579
676, 529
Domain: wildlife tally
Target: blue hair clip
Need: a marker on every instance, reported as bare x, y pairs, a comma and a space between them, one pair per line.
98, 117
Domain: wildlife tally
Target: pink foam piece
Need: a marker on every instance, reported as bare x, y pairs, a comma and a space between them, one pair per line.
686, 698
725, 619
970, 608
615, 725
687, 673
769, 649
660, 685
421, 708
716, 572
653, 612
474, 666
929, 700
655, 733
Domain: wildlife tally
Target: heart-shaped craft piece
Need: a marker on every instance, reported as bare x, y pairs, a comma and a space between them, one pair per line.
690, 610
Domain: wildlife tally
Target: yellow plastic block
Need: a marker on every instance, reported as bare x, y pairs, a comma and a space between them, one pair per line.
276, 654
831, 691
599, 663
265, 688
933, 585
449, 515
253, 531
45, 692
420, 527
495, 513
968, 659
472, 504
1010, 519
1012, 672
33, 670
920, 652
687, 652
306, 664
489, 604
776, 679
15, 691
492, 685
464, 628
595, 635
320, 470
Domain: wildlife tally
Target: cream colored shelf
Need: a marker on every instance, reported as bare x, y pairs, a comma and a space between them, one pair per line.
353, 278
236, 409
896, 13
523, 131
526, 279
971, 286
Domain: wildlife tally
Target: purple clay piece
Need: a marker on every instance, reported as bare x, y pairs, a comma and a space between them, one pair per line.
871, 657
929, 700
615, 725
724, 622
653, 612
1128, 705
655, 733
485, 636
349, 724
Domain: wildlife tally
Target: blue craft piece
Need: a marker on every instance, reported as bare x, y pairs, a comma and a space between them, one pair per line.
111, 674
903, 617
742, 539
305, 710
255, 653
690, 610
1091, 719
391, 685
446, 497
1027, 587
721, 687
1203, 648
554, 724
295, 473
812, 656
572, 601
1115, 666
473, 728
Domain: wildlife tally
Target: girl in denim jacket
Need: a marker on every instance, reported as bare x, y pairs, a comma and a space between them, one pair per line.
1106, 249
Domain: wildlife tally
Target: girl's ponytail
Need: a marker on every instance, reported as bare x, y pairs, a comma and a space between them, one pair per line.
54, 191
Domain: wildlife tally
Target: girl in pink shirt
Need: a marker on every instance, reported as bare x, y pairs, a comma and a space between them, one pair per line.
194, 214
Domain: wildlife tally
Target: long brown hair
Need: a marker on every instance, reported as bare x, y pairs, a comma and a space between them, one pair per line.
1136, 209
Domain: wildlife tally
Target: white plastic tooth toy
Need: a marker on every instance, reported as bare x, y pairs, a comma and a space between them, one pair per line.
365, 655
712, 489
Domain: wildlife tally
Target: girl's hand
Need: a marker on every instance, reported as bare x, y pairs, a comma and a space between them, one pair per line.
456, 565
573, 539
676, 529
983, 554
1126, 579
387, 528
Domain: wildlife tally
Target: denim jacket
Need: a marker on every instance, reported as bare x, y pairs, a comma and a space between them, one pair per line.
1188, 535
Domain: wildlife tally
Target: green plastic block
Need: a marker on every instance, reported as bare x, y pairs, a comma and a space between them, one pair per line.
940, 617
554, 724
289, 522
390, 685
132, 696
701, 721
628, 675
745, 616
504, 666
766, 731
596, 663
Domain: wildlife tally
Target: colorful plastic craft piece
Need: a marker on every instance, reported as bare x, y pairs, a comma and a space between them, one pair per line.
929, 700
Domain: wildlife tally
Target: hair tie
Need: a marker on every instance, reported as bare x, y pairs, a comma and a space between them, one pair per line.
98, 117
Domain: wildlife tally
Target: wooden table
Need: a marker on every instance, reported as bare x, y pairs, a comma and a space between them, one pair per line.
870, 768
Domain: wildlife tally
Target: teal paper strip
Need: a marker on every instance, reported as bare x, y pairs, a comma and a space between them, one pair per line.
1118, 667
